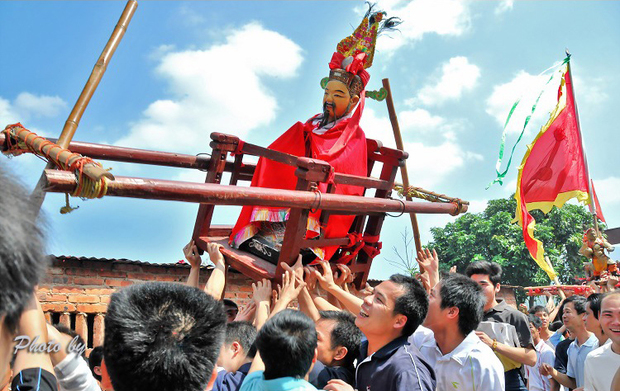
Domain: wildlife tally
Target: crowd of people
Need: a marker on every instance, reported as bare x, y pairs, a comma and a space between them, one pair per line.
312, 331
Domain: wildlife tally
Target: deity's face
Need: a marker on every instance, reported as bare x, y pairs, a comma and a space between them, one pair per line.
337, 100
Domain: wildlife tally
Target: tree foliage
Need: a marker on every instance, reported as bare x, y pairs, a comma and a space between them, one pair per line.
491, 235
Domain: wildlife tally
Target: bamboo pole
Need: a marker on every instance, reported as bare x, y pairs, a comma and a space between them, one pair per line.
64, 182
403, 169
38, 194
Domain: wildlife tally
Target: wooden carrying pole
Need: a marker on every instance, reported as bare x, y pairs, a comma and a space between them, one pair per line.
64, 182
38, 195
54, 152
403, 169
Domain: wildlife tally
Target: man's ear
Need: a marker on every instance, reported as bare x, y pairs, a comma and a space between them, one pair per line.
497, 288
401, 321
236, 348
341, 353
316, 354
354, 100
97, 370
453, 312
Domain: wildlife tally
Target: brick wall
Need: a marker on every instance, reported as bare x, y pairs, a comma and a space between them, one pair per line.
76, 291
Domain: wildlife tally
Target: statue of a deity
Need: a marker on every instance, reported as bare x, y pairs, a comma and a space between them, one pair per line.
333, 136
593, 248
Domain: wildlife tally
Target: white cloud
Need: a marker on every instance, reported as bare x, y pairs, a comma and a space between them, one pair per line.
504, 6
27, 106
477, 206
441, 17
428, 165
449, 151
457, 76
525, 87
215, 89
420, 120
607, 191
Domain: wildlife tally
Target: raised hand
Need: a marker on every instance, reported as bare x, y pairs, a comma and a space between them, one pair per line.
428, 261
291, 286
191, 254
215, 254
326, 278
261, 291
247, 313
310, 278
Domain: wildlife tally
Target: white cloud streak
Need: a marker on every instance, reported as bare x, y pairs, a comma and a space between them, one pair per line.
457, 76
217, 89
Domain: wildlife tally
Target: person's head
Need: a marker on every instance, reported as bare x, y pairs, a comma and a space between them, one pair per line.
338, 338
542, 313
456, 300
162, 336
78, 341
610, 316
231, 308
287, 344
338, 100
536, 325
555, 326
94, 361
573, 311
488, 275
593, 308
22, 260
237, 345
396, 307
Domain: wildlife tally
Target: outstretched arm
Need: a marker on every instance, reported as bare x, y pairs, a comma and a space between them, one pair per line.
326, 279
217, 280
191, 255
32, 325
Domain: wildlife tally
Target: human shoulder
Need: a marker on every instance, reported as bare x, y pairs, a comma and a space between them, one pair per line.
252, 381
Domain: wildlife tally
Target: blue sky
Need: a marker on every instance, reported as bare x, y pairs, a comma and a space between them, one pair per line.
186, 69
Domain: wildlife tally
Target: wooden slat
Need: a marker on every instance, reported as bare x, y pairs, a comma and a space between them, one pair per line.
246, 263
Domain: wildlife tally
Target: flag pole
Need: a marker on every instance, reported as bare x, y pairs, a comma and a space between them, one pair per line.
585, 157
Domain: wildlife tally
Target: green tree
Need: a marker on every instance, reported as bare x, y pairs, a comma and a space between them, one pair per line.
491, 235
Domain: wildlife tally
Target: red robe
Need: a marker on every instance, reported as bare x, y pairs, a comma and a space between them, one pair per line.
343, 147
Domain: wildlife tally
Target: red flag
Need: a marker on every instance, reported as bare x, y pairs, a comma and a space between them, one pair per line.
553, 169
599, 211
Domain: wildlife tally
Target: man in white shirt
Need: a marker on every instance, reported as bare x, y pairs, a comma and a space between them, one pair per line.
584, 343
603, 363
463, 361
545, 354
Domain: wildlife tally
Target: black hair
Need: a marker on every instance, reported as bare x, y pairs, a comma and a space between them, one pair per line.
22, 259
94, 360
230, 303
538, 308
491, 269
162, 336
555, 326
71, 333
345, 333
465, 294
413, 303
595, 303
579, 302
536, 321
242, 332
286, 344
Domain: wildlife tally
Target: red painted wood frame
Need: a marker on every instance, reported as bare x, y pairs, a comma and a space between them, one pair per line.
309, 172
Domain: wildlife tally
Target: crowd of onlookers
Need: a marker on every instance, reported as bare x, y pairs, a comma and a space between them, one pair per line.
313, 330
